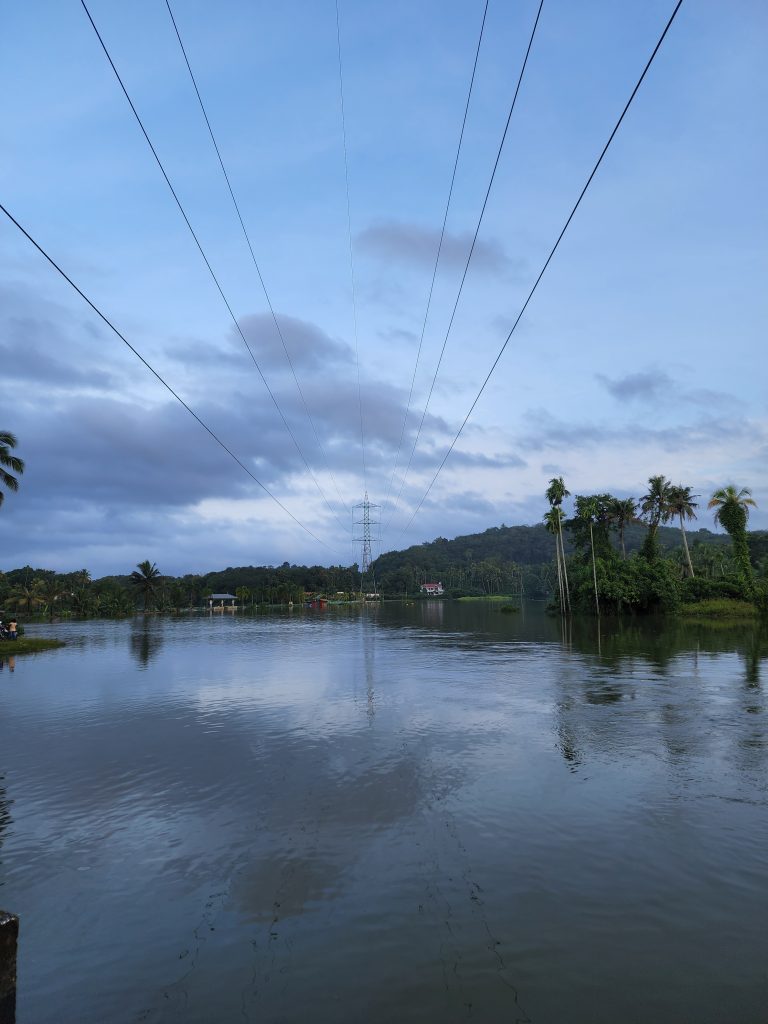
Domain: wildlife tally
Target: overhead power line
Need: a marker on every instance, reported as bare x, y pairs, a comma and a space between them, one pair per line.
437, 257
208, 265
253, 255
162, 380
548, 260
351, 251
469, 254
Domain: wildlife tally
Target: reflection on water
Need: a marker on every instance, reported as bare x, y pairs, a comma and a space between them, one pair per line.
414, 813
146, 639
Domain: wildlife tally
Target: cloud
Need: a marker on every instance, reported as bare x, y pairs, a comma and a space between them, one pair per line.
43, 343
309, 347
398, 334
656, 386
548, 432
481, 460
395, 240
647, 386
23, 360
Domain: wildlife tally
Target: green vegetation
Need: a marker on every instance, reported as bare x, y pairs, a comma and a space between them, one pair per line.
489, 597
732, 512
719, 608
28, 645
145, 580
699, 575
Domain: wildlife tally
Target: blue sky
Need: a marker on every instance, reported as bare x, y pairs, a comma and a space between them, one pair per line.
641, 352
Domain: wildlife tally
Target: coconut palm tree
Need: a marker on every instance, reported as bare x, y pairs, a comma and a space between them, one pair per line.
588, 512
732, 512
555, 494
27, 597
9, 462
552, 521
653, 506
145, 581
680, 503
623, 511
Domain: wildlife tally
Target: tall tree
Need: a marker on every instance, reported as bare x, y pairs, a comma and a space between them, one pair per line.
732, 513
145, 579
680, 503
653, 506
588, 512
552, 522
623, 511
9, 462
556, 493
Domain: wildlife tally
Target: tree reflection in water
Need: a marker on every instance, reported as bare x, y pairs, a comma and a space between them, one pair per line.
146, 640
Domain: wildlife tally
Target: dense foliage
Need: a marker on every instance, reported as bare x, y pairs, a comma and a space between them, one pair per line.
604, 581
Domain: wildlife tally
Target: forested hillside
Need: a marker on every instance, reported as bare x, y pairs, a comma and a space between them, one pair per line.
492, 561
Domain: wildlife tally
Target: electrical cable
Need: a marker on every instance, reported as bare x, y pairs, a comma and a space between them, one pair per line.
469, 257
351, 253
208, 265
253, 255
547, 261
437, 258
162, 380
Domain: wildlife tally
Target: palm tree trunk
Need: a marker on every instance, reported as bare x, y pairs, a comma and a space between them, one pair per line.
685, 545
559, 577
594, 568
565, 570
621, 538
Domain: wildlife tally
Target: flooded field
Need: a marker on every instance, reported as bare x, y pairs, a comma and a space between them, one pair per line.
434, 812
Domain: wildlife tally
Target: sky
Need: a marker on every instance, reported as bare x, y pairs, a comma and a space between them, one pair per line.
641, 351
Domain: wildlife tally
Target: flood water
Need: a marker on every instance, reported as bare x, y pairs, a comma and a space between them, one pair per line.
424, 813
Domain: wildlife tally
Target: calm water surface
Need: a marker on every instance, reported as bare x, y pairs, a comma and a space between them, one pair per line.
419, 813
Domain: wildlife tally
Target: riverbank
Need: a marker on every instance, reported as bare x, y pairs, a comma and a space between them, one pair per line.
28, 645
723, 608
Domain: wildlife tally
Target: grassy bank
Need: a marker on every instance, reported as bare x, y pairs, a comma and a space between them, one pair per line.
506, 598
719, 608
28, 645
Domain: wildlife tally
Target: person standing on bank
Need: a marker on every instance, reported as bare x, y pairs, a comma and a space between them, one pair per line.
13, 628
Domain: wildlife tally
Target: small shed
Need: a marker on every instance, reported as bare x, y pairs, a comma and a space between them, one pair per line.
220, 600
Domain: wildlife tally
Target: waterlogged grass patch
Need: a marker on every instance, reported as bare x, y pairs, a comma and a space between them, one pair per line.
28, 645
719, 608
489, 597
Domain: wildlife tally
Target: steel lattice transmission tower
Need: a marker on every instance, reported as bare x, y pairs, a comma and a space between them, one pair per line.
365, 513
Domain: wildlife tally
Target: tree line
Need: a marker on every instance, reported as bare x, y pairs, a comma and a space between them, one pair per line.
602, 576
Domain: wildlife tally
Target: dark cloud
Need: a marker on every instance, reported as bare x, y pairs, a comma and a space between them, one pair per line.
43, 343
309, 347
657, 386
481, 460
547, 432
23, 360
415, 244
647, 386
475, 503
398, 334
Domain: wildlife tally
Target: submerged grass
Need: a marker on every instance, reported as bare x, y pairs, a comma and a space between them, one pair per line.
719, 608
489, 597
28, 645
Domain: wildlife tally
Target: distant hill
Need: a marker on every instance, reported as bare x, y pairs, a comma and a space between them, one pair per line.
523, 545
